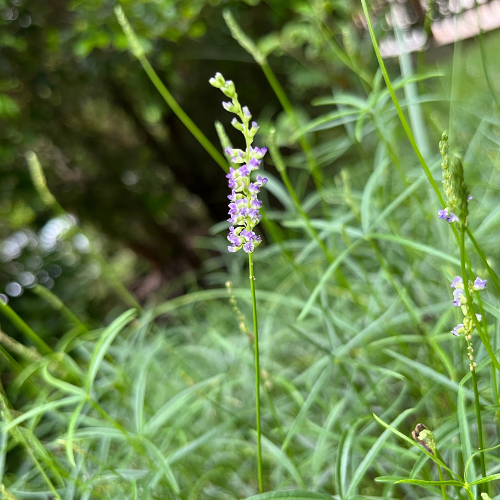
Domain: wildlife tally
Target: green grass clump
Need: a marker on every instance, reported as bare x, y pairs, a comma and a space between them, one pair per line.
355, 317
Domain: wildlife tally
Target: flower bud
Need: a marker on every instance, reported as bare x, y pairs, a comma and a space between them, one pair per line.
229, 89
237, 125
217, 81
460, 191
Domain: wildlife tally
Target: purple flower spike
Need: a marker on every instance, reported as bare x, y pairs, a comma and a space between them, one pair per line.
243, 203
479, 284
455, 330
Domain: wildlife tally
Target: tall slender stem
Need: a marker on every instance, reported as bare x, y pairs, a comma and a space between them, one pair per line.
443, 487
465, 280
257, 372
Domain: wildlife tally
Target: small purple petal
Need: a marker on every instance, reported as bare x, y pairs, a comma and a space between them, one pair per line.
479, 317
248, 247
244, 171
457, 280
246, 111
469, 198
443, 214
455, 330
479, 284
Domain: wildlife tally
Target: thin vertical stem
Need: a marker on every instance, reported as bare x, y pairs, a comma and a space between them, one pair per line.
257, 372
443, 487
465, 280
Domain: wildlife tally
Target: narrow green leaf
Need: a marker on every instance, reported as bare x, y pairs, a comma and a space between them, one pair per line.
297, 494
421, 482
326, 276
372, 454
486, 479
368, 192
174, 405
283, 460
60, 384
71, 431
413, 443
163, 464
39, 410
311, 397
107, 337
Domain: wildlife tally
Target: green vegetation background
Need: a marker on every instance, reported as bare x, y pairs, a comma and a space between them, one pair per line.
171, 413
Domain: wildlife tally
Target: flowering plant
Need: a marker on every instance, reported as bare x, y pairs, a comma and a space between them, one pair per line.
244, 216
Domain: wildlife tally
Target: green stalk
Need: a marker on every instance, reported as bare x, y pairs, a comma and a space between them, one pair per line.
181, 114
399, 111
465, 280
16, 320
257, 372
136, 49
443, 487
287, 106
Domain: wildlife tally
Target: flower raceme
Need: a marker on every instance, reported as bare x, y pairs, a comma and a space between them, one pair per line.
452, 182
244, 205
460, 300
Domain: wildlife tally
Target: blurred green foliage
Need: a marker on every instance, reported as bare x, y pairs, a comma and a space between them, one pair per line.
159, 406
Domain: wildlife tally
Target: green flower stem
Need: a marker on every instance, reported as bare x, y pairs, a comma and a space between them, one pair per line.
338, 50
465, 280
137, 51
181, 114
287, 106
257, 372
399, 111
443, 487
457, 489
16, 320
